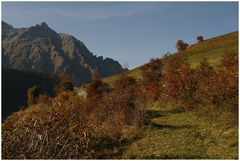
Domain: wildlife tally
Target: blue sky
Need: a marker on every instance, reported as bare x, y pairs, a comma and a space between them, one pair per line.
130, 32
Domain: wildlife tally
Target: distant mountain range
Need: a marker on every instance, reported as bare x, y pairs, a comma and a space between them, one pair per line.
41, 49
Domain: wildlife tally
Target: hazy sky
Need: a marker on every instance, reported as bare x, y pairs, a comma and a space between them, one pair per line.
131, 33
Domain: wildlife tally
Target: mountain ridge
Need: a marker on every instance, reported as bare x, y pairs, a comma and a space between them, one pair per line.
41, 49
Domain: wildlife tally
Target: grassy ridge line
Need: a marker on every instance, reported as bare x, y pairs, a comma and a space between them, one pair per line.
211, 49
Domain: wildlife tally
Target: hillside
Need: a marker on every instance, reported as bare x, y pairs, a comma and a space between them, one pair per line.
205, 133
211, 49
41, 49
168, 109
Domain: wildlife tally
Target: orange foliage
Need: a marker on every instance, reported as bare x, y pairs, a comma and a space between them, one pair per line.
44, 99
95, 92
204, 84
124, 82
227, 78
154, 90
152, 73
171, 75
153, 70
179, 81
204, 73
218, 86
64, 83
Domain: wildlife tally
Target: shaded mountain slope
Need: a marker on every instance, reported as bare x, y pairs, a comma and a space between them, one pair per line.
15, 85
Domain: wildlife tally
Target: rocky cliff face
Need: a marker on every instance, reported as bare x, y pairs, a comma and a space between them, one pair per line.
41, 49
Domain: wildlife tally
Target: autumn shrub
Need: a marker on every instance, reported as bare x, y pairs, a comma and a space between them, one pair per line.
205, 76
69, 126
152, 71
33, 93
120, 111
199, 39
64, 83
152, 74
179, 82
124, 82
192, 87
43, 99
203, 85
61, 130
95, 90
127, 93
63, 95
186, 86
229, 68
181, 45
218, 86
224, 84
174, 61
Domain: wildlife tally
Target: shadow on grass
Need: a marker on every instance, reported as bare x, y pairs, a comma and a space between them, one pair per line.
175, 157
109, 149
156, 114
153, 114
172, 127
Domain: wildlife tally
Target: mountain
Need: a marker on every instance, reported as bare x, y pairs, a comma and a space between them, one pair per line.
41, 49
15, 85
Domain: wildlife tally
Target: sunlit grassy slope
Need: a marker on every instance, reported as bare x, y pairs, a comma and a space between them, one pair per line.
211, 49
198, 134
206, 132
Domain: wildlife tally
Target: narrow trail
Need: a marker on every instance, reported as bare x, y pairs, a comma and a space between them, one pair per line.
171, 134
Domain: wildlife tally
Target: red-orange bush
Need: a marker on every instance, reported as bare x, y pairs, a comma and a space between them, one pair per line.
96, 89
171, 75
153, 70
44, 99
225, 81
152, 74
204, 74
218, 86
124, 82
179, 82
64, 83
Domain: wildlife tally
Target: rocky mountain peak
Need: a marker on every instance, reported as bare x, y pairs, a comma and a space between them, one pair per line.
41, 30
6, 26
44, 25
40, 49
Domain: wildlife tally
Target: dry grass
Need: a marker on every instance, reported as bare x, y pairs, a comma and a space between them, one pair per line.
72, 127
